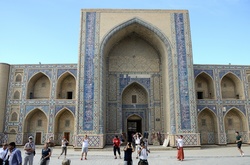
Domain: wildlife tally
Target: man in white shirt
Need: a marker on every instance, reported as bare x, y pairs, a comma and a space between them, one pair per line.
29, 148
3, 153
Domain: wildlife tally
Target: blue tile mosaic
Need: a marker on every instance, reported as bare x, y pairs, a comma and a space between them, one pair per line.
89, 71
182, 72
209, 72
62, 71
235, 72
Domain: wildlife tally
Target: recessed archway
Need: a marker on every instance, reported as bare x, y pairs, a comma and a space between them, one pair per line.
234, 120
36, 122
207, 126
64, 125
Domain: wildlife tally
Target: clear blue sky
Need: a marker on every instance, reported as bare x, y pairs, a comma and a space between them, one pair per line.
47, 31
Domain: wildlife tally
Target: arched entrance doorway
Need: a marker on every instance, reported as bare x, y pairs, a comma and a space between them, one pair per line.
135, 110
134, 124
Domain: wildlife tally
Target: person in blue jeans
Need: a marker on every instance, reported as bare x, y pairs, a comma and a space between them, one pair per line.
46, 153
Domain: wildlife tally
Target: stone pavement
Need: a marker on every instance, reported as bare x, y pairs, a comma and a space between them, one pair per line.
213, 155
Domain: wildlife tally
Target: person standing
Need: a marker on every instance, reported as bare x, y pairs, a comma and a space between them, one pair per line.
64, 147
46, 153
137, 138
29, 148
239, 143
15, 156
51, 144
3, 153
128, 150
116, 146
85, 145
180, 152
143, 152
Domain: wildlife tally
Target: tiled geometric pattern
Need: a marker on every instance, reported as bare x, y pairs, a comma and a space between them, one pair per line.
112, 92
182, 73
138, 91
89, 72
209, 72
235, 72
135, 55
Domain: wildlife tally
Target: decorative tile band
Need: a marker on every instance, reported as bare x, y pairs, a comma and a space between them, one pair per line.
89, 71
182, 72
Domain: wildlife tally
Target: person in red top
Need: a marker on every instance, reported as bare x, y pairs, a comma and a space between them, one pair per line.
116, 144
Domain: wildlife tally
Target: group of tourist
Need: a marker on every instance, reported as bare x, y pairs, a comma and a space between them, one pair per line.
10, 155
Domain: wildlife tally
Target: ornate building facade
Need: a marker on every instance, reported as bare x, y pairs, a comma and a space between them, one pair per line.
135, 74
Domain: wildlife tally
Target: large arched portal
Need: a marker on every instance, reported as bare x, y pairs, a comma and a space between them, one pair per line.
135, 110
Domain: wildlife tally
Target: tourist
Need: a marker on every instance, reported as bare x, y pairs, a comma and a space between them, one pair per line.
180, 152
64, 147
239, 143
128, 154
29, 149
46, 153
51, 144
3, 153
85, 145
15, 155
116, 146
137, 138
143, 154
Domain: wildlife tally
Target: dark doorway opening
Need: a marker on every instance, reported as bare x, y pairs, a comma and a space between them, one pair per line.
133, 126
38, 138
67, 135
69, 95
200, 95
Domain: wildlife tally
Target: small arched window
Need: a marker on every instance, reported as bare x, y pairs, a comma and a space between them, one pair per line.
17, 95
18, 78
14, 116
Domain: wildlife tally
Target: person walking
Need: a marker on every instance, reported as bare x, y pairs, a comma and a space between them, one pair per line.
64, 147
15, 155
239, 143
116, 146
85, 145
143, 154
180, 152
128, 150
3, 153
29, 149
46, 153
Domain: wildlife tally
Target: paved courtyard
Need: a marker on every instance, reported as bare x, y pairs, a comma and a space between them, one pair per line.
227, 155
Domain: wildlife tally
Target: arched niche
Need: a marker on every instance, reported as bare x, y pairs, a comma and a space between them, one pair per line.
66, 86
204, 87
64, 125
18, 78
39, 87
16, 95
207, 127
234, 120
36, 123
231, 87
